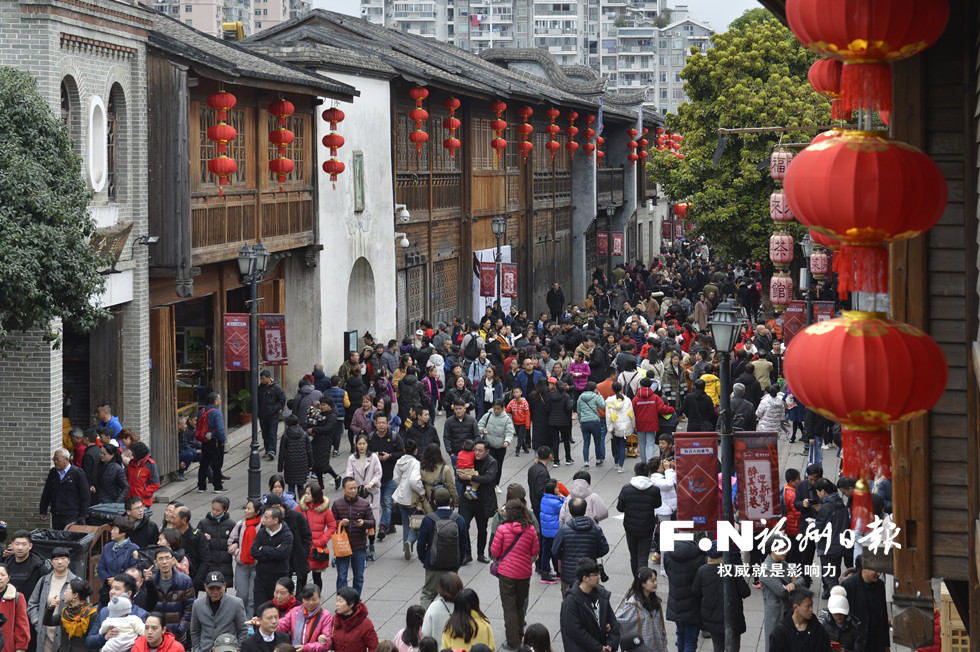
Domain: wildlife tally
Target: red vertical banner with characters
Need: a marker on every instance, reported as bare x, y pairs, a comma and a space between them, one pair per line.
488, 279
698, 496
617, 244
602, 243
236, 341
794, 320
757, 468
272, 334
678, 230
665, 231
822, 311
508, 280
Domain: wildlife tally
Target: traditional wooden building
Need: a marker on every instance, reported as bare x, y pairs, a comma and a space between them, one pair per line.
936, 458
550, 203
194, 278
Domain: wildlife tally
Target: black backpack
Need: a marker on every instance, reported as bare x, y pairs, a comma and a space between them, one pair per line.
444, 551
431, 487
472, 348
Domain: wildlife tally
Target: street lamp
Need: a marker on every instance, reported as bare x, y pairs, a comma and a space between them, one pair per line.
252, 263
725, 328
610, 211
499, 227
806, 244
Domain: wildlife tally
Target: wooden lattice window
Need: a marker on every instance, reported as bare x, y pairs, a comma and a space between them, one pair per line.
407, 157
445, 279
484, 156
441, 160
295, 151
236, 148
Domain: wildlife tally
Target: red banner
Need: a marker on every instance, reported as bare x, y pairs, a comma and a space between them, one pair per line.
757, 468
665, 230
602, 243
236, 341
617, 244
794, 317
698, 497
678, 230
272, 334
488, 279
508, 280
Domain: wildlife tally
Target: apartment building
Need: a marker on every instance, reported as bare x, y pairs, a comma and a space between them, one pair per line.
638, 45
255, 15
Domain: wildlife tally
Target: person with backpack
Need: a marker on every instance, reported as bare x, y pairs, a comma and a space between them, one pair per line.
472, 344
443, 544
629, 377
743, 411
210, 432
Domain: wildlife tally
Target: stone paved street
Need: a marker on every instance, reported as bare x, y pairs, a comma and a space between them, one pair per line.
392, 584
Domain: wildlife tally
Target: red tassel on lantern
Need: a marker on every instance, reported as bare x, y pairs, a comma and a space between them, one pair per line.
862, 507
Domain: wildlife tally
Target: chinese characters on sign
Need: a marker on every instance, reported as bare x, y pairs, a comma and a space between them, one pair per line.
488, 279
617, 244
236, 341
272, 334
508, 280
602, 243
757, 461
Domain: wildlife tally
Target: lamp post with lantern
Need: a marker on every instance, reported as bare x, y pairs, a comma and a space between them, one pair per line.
806, 244
252, 265
499, 227
724, 329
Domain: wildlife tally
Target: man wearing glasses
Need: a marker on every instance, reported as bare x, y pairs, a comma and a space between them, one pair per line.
588, 622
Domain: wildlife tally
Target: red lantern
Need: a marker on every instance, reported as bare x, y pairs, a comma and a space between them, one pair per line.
643, 154
418, 94
589, 148
498, 107
499, 144
281, 167
452, 144
525, 130
333, 115
824, 76
779, 209
222, 133
553, 130
780, 291
633, 133
418, 115
781, 250
282, 109
867, 35
599, 155
283, 137
865, 190
524, 147
333, 167
680, 210
222, 102
819, 263
451, 123
778, 164
451, 104
867, 373
222, 167
571, 146
633, 157
659, 131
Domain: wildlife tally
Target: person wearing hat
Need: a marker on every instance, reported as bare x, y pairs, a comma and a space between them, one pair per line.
50, 586
219, 612
842, 628
707, 589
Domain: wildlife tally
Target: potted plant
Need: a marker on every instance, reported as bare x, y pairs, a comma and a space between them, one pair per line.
243, 401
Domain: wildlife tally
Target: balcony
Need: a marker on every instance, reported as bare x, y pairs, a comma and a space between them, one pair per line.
414, 15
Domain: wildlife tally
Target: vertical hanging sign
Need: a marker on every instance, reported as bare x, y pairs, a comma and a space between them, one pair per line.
617, 244
757, 468
236, 341
698, 498
488, 279
272, 334
508, 280
602, 243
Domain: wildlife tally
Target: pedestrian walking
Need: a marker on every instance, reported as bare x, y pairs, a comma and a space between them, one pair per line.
515, 545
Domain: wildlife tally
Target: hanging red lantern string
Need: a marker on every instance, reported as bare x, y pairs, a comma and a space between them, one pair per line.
418, 115
644, 145
525, 130
589, 146
333, 141
221, 134
824, 77
867, 36
571, 130
498, 125
599, 154
553, 130
866, 191
632, 144
451, 123
281, 166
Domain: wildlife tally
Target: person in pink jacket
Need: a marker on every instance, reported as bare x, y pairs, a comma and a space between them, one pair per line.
515, 544
580, 370
309, 625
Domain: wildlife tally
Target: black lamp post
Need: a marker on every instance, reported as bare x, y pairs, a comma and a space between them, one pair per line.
499, 227
252, 263
724, 328
610, 211
806, 244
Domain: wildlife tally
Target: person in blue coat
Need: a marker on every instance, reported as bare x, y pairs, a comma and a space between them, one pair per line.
551, 504
213, 450
117, 556
119, 585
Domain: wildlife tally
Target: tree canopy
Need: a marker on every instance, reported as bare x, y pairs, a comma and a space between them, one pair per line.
49, 271
754, 76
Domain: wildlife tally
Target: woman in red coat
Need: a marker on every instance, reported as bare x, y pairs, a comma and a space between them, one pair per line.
13, 605
514, 546
353, 631
318, 514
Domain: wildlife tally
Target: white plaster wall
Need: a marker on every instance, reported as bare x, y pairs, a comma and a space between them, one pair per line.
347, 235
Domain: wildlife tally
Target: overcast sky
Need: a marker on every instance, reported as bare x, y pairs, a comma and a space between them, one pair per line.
717, 13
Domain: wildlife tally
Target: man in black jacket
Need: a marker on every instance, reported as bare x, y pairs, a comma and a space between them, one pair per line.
267, 637
831, 511
271, 548
537, 478
66, 492
588, 622
681, 565
800, 631
272, 399
707, 589
422, 431
699, 409
195, 547
866, 598
556, 301
90, 459
145, 532
484, 505
26, 568
390, 448
805, 501
299, 527
459, 427
580, 537
638, 501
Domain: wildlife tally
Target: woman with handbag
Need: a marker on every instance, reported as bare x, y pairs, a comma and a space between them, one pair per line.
316, 508
642, 615
409, 494
514, 547
365, 467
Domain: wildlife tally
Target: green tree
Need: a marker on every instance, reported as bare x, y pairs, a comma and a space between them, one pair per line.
49, 271
755, 76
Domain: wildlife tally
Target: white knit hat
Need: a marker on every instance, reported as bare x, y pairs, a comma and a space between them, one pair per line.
838, 601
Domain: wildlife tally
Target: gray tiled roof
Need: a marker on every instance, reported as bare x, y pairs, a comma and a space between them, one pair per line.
313, 54
428, 61
198, 49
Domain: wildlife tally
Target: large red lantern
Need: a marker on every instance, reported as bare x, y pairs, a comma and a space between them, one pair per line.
333, 141
333, 167
418, 115
282, 109
222, 102
281, 166
680, 210
867, 373
781, 250
780, 291
865, 190
824, 76
222, 134
867, 36
779, 209
222, 167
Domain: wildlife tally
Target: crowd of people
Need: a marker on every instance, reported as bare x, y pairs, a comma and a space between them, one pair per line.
633, 364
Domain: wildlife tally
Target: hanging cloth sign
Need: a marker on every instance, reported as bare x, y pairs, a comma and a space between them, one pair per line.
272, 334
488, 279
508, 280
236, 341
698, 495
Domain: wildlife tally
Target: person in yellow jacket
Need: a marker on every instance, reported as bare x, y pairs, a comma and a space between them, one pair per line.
712, 384
467, 626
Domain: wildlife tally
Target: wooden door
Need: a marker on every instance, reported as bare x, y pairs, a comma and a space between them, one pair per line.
105, 366
163, 390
